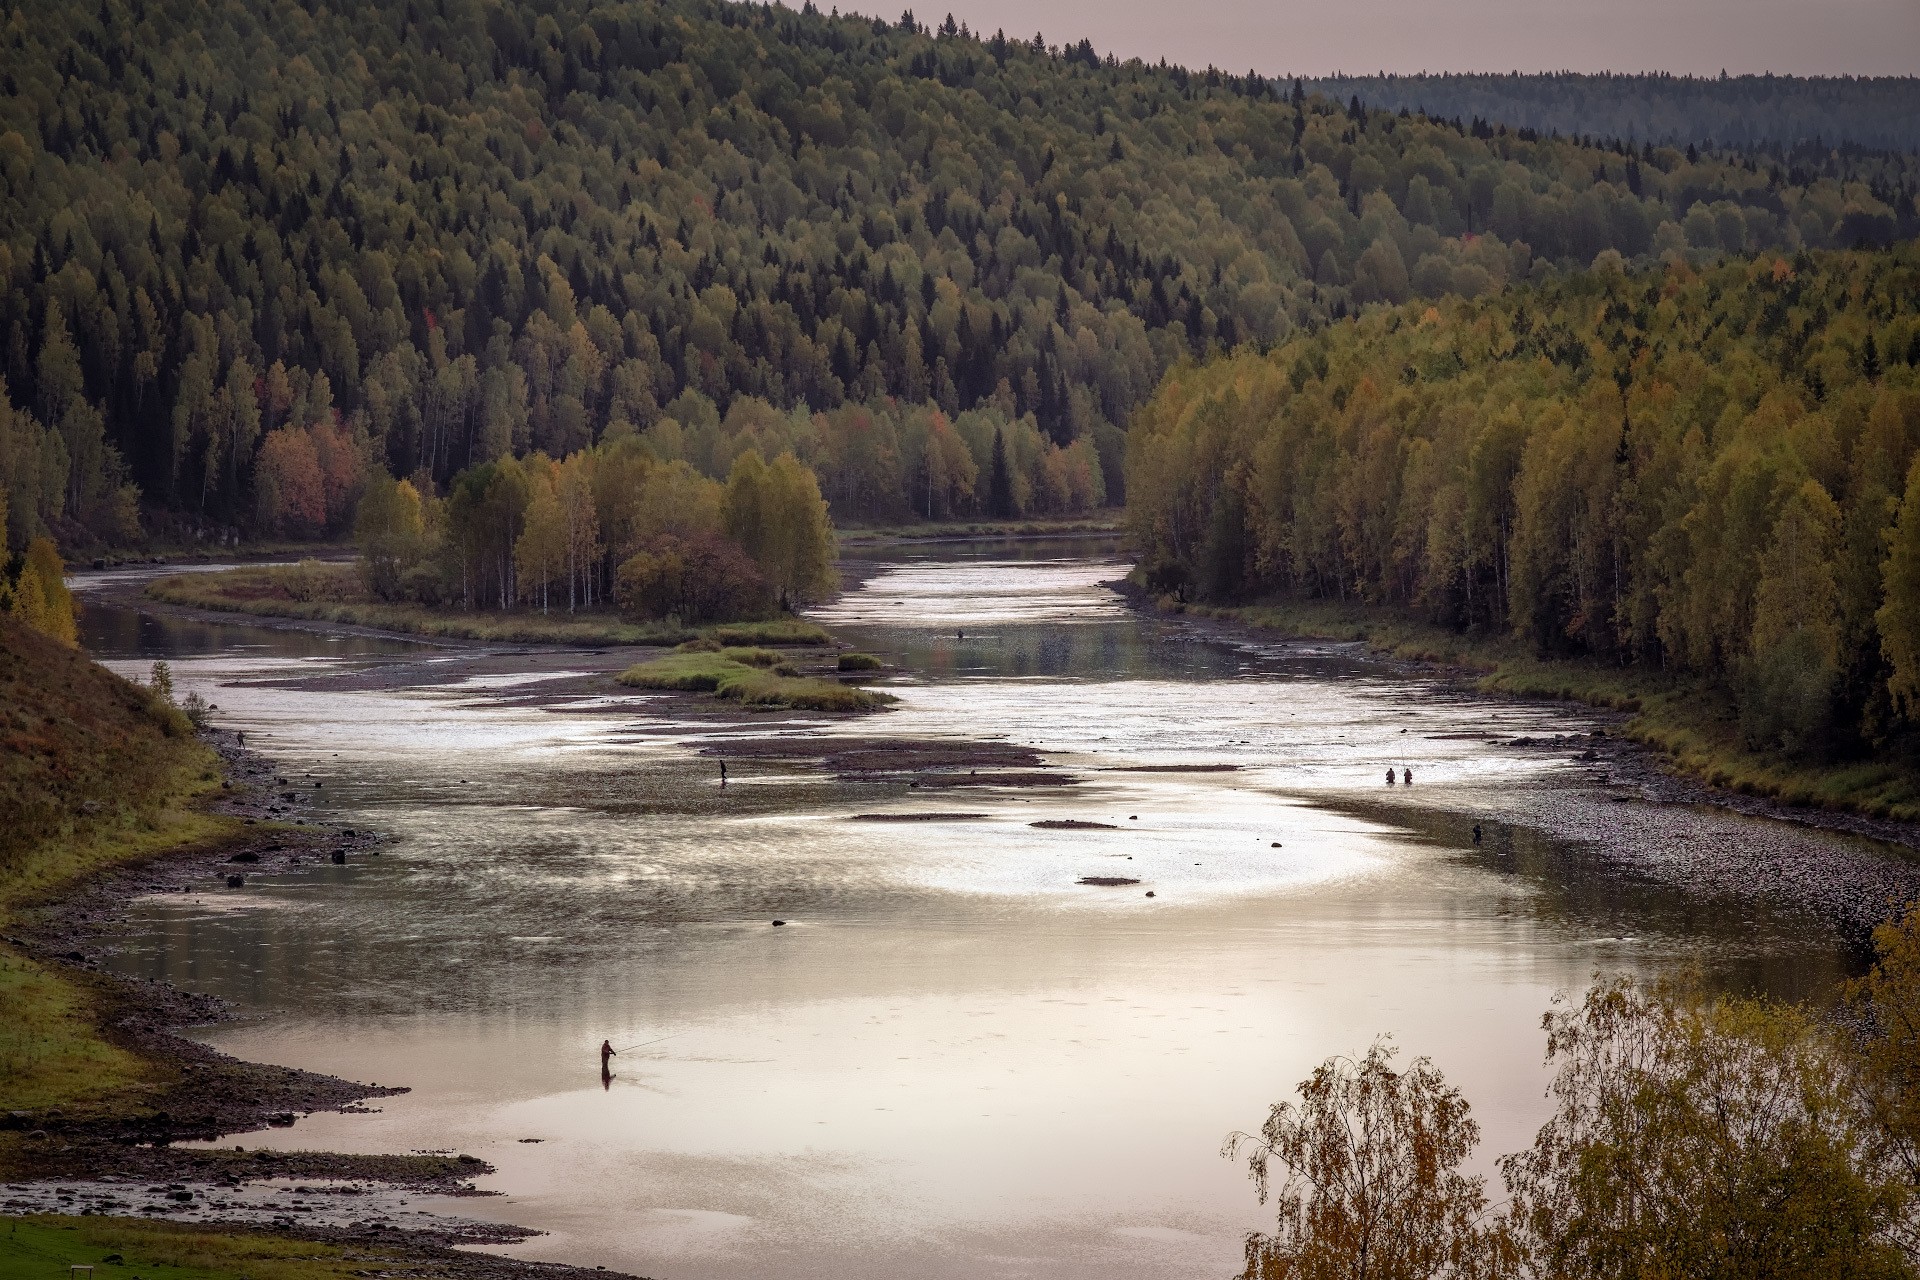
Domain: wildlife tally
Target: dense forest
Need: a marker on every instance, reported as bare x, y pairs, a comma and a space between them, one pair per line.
1792, 114
1698, 470
243, 240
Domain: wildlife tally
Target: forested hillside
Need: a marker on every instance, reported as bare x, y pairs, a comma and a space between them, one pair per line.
1795, 114
260, 249
1707, 471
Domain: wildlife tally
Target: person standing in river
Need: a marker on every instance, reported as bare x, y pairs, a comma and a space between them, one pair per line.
606, 1051
1389, 777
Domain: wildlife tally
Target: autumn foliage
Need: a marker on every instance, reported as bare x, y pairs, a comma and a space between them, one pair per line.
468, 230
701, 579
611, 524
1696, 1135
1685, 471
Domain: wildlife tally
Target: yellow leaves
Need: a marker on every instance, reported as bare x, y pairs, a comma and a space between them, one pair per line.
1899, 617
39, 596
391, 530
776, 514
16, 157
1797, 591
1371, 1183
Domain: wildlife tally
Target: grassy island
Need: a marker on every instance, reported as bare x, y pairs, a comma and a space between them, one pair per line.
752, 677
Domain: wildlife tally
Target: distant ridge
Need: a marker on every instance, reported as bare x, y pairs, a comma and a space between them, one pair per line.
1876, 112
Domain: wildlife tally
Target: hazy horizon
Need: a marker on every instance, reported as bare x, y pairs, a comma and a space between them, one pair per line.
1367, 37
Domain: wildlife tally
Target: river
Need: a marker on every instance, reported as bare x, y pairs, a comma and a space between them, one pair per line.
955, 1059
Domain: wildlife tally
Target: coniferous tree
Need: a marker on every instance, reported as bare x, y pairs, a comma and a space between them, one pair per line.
461, 235
1000, 485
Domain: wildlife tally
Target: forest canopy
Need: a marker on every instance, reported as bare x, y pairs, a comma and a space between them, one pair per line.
1699, 471
425, 236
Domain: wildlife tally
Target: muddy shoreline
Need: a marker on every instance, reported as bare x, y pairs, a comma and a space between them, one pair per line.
127, 1162
1611, 753
1622, 800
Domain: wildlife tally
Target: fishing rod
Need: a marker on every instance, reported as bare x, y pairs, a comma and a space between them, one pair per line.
644, 1043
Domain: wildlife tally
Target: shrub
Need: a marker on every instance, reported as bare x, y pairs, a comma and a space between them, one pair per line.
703, 578
860, 662
195, 708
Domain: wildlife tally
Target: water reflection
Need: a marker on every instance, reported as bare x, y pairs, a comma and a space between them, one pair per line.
110, 631
956, 1058
1046, 616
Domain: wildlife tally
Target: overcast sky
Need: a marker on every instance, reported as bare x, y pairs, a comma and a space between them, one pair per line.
1316, 37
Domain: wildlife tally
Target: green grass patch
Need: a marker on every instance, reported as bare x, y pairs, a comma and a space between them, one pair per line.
859, 662
754, 657
51, 1052
754, 686
1693, 722
52, 1049
43, 1246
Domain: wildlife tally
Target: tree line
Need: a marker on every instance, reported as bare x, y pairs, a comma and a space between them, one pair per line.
1708, 471
447, 232
608, 525
1804, 116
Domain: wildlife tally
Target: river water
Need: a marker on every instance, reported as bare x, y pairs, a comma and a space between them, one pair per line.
955, 1059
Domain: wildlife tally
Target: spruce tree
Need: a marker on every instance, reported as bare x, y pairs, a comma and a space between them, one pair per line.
1000, 481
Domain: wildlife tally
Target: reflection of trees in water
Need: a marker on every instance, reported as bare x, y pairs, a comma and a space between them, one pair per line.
1127, 649
111, 631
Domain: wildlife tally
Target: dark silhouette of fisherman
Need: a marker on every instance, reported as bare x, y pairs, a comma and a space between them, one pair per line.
1476, 833
1406, 777
606, 1055
723, 773
1389, 777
